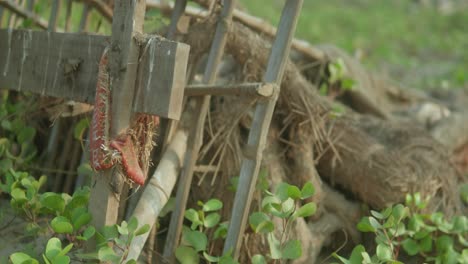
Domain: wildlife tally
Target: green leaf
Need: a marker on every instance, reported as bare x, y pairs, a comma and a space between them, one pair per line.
377, 214
187, 255
210, 258
80, 128
106, 253
53, 248
306, 210
425, 245
374, 223
464, 193
221, 231
274, 244
26, 135
53, 202
357, 255
292, 250
227, 259
410, 246
145, 228
399, 212
80, 218
123, 228
88, 233
384, 252
282, 191
61, 225
132, 224
261, 223
212, 220
212, 205
258, 259
20, 258
307, 190
168, 207
443, 243
294, 192
110, 232
192, 215
365, 226
19, 196
196, 239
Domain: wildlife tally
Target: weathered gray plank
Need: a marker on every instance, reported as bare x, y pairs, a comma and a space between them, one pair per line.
260, 125
42, 62
123, 65
65, 65
160, 90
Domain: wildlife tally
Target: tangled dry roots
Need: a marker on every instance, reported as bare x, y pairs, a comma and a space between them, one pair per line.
373, 159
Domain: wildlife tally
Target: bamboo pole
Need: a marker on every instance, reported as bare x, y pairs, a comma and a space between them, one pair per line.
260, 126
196, 133
159, 187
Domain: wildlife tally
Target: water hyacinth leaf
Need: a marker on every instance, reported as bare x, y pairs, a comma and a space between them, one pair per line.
374, 223
306, 210
211, 220
210, 258
293, 192
384, 252
196, 239
132, 224
106, 253
20, 258
260, 223
212, 205
410, 246
53, 201
274, 244
307, 190
365, 226
142, 230
357, 255
258, 259
221, 231
123, 228
187, 255
282, 191
61, 225
292, 250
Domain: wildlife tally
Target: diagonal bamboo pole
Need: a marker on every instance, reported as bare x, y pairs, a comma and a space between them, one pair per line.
261, 123
196, 133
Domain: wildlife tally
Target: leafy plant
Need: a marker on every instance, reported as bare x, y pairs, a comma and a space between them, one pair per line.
194, 244
114, 242
406, 229
283, 204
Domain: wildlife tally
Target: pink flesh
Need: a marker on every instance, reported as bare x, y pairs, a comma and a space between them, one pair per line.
124, 145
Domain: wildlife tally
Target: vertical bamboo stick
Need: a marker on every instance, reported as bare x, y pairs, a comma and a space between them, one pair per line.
260, 125
196, 133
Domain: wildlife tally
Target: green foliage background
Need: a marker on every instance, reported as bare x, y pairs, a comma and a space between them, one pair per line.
416, 44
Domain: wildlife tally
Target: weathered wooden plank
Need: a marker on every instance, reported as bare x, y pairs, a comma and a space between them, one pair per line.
48, 63
123, 64
159, 90
260, 125
68, 66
